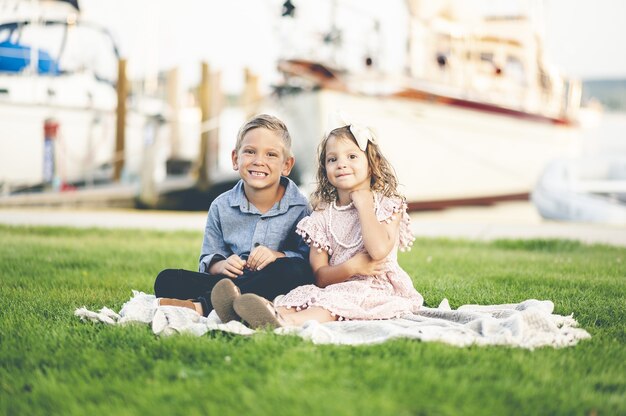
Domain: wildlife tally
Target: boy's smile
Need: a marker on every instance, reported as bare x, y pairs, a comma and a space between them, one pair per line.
261, 159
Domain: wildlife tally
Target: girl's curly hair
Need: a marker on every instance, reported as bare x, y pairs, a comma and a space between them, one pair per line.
383, 176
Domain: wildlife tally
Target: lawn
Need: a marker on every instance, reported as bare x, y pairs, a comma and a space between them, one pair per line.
52, 363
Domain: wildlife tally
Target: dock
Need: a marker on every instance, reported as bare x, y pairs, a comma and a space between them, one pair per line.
511, 220
113, 196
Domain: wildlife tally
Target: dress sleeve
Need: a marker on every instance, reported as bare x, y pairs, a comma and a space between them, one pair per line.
313, 231
387, 210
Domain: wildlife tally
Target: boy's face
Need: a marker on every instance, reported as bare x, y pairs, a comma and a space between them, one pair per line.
261, 159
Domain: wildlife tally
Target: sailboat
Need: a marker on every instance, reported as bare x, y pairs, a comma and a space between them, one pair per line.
53, 67
58, 102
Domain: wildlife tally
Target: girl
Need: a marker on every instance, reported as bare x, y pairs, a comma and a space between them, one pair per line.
358, 223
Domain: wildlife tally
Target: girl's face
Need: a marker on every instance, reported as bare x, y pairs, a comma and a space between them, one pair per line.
347, 168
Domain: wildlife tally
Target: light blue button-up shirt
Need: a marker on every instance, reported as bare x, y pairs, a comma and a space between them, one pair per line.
235, 226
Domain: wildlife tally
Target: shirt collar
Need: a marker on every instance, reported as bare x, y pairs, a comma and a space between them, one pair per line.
292, 197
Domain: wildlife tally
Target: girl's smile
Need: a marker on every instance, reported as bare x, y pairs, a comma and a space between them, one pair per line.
346, 166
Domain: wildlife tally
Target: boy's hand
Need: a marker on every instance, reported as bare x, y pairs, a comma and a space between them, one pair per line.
363, 264
261, 256
231, 267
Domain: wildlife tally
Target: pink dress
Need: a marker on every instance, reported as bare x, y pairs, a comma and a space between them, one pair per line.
360, 297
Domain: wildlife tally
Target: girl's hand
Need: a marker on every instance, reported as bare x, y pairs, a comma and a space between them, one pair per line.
231, 267
364, 265
362, 198
261, 256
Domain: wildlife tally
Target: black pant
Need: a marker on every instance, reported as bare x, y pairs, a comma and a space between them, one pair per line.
277, 278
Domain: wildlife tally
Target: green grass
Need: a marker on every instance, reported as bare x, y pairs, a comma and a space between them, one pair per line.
51, 363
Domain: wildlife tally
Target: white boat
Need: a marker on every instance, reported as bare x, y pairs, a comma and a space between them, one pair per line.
474, 119
589, 189
56, 68
43, 77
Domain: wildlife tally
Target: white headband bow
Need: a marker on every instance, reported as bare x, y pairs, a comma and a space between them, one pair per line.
361, 133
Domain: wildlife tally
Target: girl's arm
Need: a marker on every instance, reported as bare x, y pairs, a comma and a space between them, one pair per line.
326, 275
378, 238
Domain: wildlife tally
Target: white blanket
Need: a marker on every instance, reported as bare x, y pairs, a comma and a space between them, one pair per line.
529, 324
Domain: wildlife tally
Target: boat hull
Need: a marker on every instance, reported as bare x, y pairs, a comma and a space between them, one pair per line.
84, 148
84, 145
440, 152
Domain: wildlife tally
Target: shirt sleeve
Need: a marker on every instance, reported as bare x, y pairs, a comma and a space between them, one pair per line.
296, 247
388, 209
213, 246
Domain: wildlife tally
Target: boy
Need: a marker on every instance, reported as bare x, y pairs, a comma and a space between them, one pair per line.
250, 230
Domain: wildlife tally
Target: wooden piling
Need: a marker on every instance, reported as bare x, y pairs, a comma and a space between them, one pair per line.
120, 133
173, 99
251, 95
209, 96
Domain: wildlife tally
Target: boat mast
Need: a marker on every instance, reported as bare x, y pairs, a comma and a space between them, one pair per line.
34, 50
334, 36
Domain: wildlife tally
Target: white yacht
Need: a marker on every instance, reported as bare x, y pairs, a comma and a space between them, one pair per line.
474, 119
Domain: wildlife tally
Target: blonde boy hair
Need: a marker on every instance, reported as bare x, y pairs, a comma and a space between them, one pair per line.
270, 123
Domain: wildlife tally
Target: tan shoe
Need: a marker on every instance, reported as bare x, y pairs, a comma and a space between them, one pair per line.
223, 295
177, 302
258, 312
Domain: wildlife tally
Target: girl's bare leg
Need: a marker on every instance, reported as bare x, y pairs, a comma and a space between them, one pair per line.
285, 311
314, 313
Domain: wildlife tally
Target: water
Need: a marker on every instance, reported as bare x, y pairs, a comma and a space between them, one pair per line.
608, 135
610, 92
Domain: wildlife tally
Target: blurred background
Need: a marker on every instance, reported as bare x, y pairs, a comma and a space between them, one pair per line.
475, 102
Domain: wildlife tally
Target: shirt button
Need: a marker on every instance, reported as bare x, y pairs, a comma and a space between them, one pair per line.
257, 244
